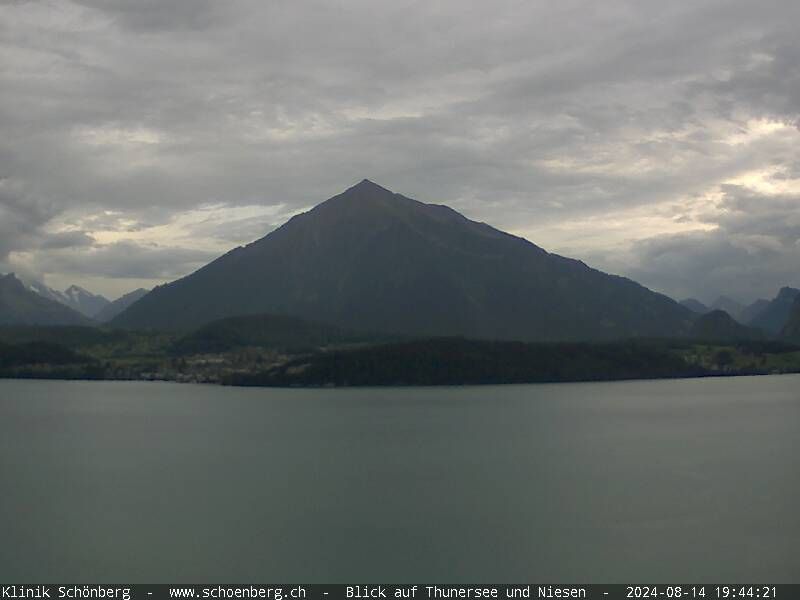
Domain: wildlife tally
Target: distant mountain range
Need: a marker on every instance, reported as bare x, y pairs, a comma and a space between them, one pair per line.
724, 303
19, 305
94, 306
77, 298
26, 308
768, 316
372, 260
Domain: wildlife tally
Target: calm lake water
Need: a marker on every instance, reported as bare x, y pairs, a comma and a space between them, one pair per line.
660, 481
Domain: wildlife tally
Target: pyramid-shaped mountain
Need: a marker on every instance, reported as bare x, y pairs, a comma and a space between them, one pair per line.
372, 260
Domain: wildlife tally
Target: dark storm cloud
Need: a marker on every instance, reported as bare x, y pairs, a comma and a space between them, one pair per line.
123, 116
21, 218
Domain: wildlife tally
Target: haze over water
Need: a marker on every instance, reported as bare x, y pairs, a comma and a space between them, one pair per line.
667, 481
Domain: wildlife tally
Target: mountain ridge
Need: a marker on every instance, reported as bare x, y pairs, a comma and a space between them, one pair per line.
20, 305
75, 297
773, 317
694, 305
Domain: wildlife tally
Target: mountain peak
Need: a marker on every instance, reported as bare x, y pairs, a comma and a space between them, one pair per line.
367, 184
364, 200
75, 290
366, 190
11, 279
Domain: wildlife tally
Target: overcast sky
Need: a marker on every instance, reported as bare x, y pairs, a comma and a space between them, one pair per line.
658, 140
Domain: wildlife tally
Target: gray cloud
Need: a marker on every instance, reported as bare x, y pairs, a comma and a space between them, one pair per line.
125, 260
67, 239
122, 117
158, 16
754, 250
21, 217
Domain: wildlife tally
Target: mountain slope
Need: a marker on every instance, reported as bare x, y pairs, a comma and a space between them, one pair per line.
21, 306
112, 309
751, 311
718, 325
372, 260
695, 306
774, 316
791, 330
45, 291
84, 301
